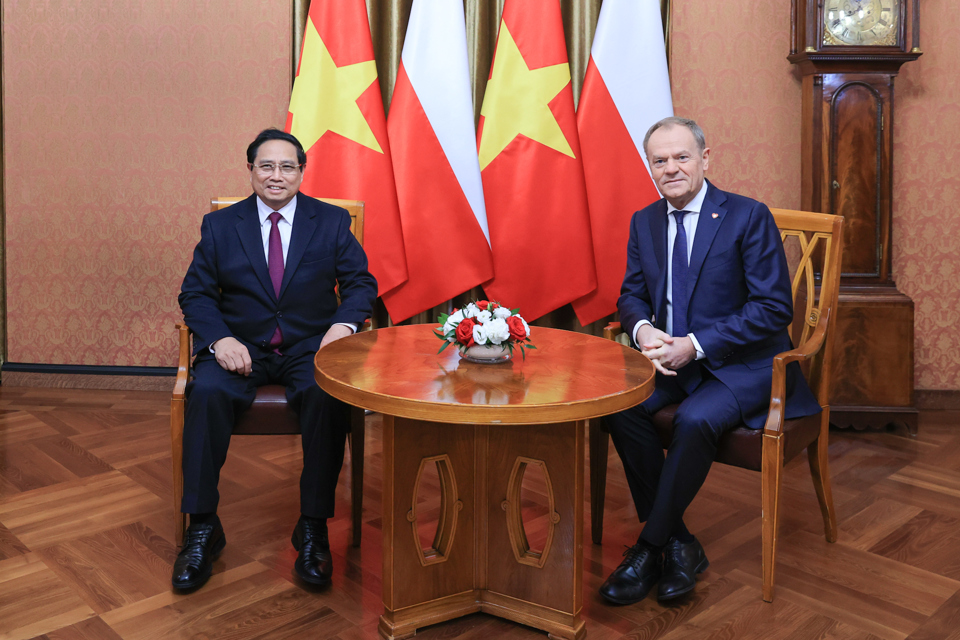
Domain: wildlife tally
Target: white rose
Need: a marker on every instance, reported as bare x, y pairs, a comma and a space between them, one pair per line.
498, 331
452, 321
484, 317
471, 311
501, 312
479, 334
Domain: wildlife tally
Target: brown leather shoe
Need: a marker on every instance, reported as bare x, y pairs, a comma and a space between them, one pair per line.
636, 575
202, 544
681, 564
314, 564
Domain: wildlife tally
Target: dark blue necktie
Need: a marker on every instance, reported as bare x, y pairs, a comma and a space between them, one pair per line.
680, 278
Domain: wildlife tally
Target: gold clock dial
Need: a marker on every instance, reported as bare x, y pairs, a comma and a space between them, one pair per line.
861, 22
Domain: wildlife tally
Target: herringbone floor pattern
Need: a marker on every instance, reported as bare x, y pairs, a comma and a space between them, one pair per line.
86, 540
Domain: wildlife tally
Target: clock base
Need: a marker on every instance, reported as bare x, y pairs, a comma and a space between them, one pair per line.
872, 372
875, 418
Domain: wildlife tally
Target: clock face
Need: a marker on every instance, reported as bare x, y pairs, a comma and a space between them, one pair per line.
861, 22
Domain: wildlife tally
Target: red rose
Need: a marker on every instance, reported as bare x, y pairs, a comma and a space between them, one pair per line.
517, 330
493, 305
482, 305
465, 332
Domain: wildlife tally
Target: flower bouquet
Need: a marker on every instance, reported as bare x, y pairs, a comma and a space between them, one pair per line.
485, 331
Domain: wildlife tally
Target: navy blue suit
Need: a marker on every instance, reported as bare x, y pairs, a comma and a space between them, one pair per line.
739, 308
227, 291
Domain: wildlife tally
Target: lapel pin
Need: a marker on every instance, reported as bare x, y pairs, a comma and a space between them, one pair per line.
714, 215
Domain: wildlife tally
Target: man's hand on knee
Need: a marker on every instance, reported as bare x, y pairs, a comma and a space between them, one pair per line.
232, 355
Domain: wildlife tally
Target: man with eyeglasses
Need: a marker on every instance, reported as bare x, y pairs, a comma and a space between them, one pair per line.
261, 298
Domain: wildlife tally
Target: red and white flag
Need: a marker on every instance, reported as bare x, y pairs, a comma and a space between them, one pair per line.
336, 112
530, 165
625, 91
433, 141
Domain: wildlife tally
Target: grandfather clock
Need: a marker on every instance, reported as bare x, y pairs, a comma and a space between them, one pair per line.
849, 52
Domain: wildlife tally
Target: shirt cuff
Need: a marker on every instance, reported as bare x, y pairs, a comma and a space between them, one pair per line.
636, 328
696, 345
352, 327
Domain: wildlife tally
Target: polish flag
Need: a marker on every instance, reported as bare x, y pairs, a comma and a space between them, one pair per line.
626, 90
433, 141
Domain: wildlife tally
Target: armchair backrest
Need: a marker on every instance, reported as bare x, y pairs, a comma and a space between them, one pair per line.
354, 207
812, 242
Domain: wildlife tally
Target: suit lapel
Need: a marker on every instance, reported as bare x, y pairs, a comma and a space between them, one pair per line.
304, 226
711, 217
658, 234
251, 238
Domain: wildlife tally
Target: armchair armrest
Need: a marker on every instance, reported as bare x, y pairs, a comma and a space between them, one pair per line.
183, 362
778, 391
612, 330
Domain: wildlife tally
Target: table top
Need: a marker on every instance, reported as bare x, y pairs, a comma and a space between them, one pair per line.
570, 376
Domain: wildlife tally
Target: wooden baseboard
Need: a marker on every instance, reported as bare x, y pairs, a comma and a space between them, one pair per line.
937, 399
87, 381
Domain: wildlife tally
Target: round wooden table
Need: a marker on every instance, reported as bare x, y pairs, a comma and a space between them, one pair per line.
483, 426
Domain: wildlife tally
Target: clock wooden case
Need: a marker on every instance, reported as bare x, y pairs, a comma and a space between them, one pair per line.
848, 53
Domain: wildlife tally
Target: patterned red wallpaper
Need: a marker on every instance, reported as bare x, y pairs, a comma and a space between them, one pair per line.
730, 73
926, 195
122, 119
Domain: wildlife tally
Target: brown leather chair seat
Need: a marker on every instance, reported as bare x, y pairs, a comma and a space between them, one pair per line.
268, 415
740, 447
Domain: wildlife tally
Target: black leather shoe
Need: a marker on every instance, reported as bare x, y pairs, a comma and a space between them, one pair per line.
314, 564
681, 565
636, 575
202, 543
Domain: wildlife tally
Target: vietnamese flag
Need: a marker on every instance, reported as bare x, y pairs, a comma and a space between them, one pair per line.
434, 147
336, 112
626, 90
530, 165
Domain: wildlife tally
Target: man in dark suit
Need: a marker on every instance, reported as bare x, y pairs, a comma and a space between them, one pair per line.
261, 297
707, 299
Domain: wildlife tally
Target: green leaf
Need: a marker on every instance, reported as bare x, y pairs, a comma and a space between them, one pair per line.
530, 346
445, 345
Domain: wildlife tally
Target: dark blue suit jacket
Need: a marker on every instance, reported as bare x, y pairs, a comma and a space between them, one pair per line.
740, 303
228, 292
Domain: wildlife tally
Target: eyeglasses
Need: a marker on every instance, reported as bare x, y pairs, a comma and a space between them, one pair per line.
267, 168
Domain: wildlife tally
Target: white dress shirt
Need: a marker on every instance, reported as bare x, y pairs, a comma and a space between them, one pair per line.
285, 224
690, 221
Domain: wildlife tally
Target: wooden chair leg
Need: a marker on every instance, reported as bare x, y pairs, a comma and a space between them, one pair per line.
176, 446
357, 433
771, 478
599, 444
818, 457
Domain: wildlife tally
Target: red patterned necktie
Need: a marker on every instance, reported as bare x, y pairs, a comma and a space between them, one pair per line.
275, 265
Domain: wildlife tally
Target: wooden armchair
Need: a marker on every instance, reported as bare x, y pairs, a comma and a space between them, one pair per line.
269, 413
812, 242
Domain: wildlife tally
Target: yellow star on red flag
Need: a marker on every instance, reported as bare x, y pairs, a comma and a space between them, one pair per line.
517, 102
324, 96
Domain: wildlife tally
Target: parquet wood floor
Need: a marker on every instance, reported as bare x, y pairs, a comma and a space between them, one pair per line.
86, 542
